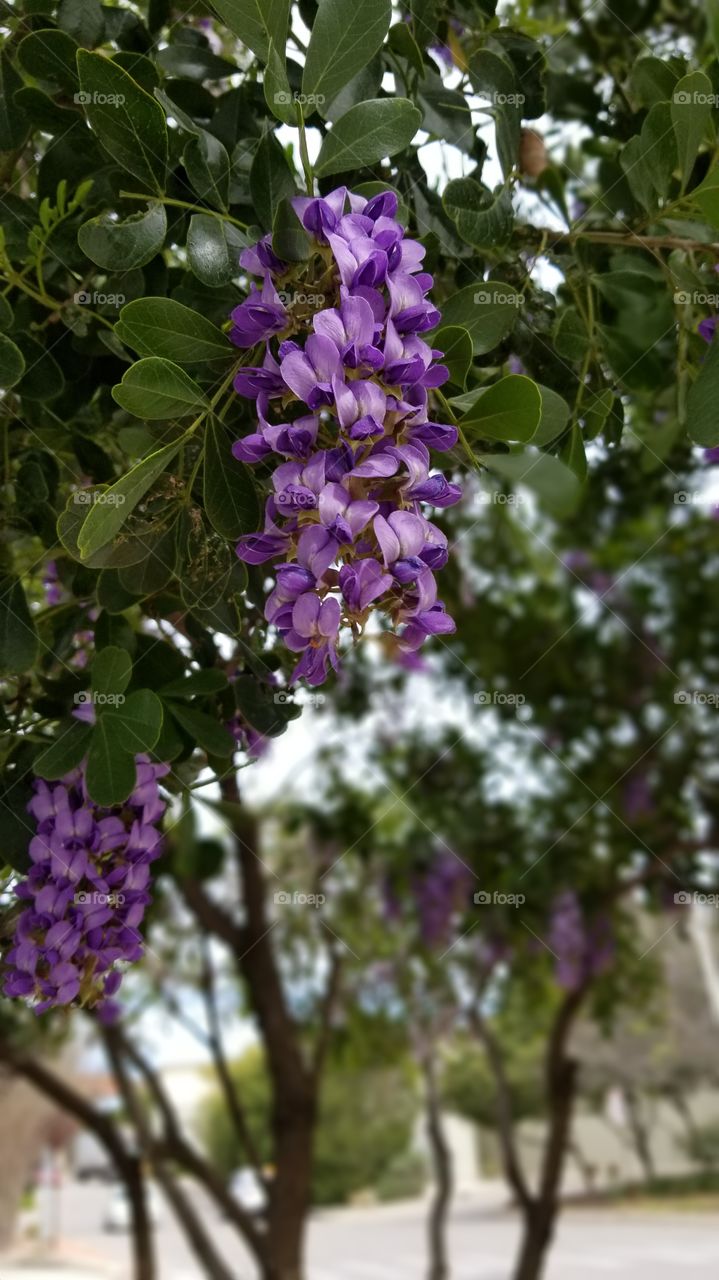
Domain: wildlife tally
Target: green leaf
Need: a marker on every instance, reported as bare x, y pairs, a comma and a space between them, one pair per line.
706, 195
445, 114
271, 179
482, 218
488, 309
14, 124
345, 37
83, 20
209, 734
256, 22
230, 496
163, 327
18, 638
712, 8
402, 42
571, 339
702, 401
557, 488
156, 388
659, 150
129, 123
213, 249
278, 95
50, 55
596, 413
43, 378
290, 241
194, 62
110, 775
65, 753
12, 363
508, 410
652, 80
136, 722
456, 344
572, 453
106, 518
691, 110
208, 168
207, 681
555, 416
368, 133
111, 670
122, 246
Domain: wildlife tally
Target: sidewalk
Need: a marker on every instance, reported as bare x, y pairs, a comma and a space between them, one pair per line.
66, 1262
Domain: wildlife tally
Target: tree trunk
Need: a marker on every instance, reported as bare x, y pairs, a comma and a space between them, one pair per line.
640, 1136
536, 1239
442, 1169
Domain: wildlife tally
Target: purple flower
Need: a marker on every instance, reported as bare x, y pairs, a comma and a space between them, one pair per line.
582, 951
342, 415
707, 328
86, 891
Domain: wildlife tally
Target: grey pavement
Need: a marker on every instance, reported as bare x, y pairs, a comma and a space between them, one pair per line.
387, 1243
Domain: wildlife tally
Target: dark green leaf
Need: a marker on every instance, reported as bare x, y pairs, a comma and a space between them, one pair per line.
122, 246
18, 638
111, 671
702, 402
12, 362
230, 496
508, 410
83, 20
290, 241
213, 249
163, 327
345, 37
65, 753
368, 133
207, 681
270, 179
136, 722
455, 342
488, 310
156, 388
482, 218
13, 121
106, 518
110, 774
50, 55
209, 734
692, 100
256, 22
129, 123
208, 168
557, 488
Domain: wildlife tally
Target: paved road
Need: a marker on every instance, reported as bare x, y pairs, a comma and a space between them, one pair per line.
386, 1243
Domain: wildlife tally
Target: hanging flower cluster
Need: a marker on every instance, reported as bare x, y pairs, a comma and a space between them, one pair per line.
582, 949
342, 400
86, 891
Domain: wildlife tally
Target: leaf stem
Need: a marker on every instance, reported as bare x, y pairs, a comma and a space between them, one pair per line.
184, 204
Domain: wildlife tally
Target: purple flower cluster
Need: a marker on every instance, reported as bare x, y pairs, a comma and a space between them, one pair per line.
582, 950
342, 400
86, 891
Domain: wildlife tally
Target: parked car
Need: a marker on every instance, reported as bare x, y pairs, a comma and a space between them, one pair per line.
248, 1190
118, 1212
